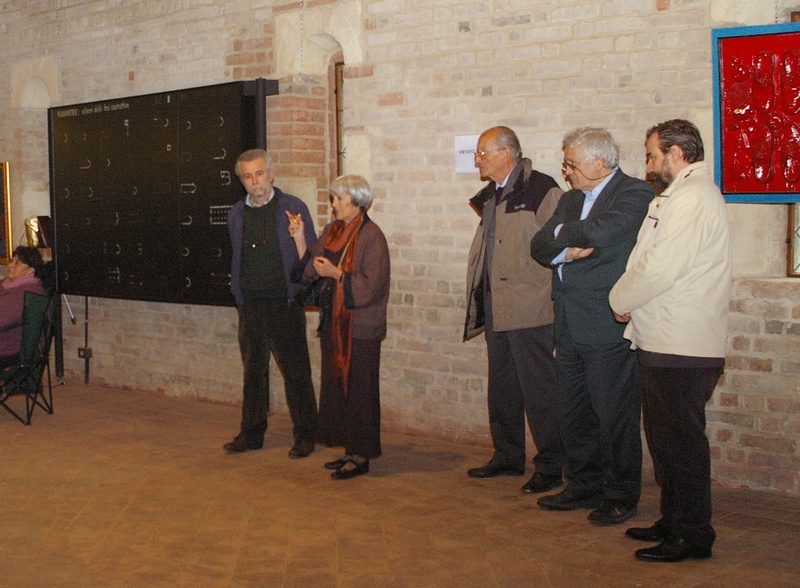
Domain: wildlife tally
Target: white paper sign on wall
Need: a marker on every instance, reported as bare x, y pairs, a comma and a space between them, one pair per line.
465, 146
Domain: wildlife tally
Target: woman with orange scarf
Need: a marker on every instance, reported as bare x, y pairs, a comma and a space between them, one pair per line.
352, 258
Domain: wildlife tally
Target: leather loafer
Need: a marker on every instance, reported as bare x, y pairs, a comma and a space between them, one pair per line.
335, 464
240, 444
301, 449
657, 532
569, 500
346, 474
673, 550
541, 483
611, 512
494, 468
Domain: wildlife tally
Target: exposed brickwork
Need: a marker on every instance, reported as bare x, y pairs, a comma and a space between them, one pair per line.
760, 393
427, 72
251, 54
298, 134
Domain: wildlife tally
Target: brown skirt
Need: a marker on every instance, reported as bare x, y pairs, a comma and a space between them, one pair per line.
353, 422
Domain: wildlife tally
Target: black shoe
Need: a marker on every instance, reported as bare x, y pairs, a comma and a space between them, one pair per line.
346, 474
569, 500
658, 532
335, 464
673, 550
300, 449
240, 444
611, 512
541, 483
495, 468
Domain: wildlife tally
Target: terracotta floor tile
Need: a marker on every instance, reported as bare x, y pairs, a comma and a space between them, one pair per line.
120, 488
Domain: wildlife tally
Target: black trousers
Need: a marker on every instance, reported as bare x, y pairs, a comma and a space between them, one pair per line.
523, 382
673, 405
275, 325
599, 410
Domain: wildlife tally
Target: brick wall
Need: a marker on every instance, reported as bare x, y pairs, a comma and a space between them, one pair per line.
417, 74
298, 137
754, 417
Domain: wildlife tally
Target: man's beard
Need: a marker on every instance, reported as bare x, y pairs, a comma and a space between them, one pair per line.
658, 181
258, 191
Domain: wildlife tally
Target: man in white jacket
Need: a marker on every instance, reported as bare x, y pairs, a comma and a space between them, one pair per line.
674, 295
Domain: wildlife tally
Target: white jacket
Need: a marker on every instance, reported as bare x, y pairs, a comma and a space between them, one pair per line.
677, 282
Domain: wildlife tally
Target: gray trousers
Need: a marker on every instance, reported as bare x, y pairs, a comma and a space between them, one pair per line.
523, 382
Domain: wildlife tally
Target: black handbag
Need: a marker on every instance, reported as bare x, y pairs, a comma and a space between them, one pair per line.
309, 292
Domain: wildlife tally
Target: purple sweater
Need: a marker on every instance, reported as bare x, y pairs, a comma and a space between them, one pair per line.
12, 299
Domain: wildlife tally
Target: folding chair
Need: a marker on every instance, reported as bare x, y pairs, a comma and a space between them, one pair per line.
25, 378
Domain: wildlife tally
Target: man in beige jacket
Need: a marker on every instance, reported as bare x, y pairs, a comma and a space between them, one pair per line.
674, 296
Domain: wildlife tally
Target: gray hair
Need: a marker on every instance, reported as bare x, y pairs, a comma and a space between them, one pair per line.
505, 138
593, 143
252, 155
356, 187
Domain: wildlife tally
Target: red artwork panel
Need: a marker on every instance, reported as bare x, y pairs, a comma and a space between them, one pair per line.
760, 114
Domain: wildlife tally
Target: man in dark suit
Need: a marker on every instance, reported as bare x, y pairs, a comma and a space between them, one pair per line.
587, 242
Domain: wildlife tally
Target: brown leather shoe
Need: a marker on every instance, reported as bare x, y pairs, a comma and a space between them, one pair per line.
301, 448
240, 444
611, 512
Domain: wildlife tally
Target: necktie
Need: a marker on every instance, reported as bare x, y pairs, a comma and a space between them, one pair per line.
498, 194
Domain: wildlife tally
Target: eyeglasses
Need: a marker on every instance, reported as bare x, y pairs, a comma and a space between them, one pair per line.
481, 153
567, 164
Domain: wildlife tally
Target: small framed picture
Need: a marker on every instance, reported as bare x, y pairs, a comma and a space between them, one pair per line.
757, 112
5, 216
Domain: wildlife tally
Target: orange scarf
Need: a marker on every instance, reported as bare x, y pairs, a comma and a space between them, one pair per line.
341, 240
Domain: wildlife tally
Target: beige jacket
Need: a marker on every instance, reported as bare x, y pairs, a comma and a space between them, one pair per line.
677, 283
521, 287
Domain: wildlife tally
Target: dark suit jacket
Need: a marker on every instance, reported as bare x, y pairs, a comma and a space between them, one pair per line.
581, 295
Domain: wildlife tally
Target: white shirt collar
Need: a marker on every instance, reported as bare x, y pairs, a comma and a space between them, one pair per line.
249, 200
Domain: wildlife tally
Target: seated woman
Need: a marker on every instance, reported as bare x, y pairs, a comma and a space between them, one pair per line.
22, 275
352, 256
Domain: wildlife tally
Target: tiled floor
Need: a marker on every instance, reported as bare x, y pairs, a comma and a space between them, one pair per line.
121, 488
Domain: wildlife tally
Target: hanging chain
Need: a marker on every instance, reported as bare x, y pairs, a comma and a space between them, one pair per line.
303, 35
59, 33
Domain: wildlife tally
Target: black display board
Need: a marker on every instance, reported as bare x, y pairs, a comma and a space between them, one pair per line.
141, 187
